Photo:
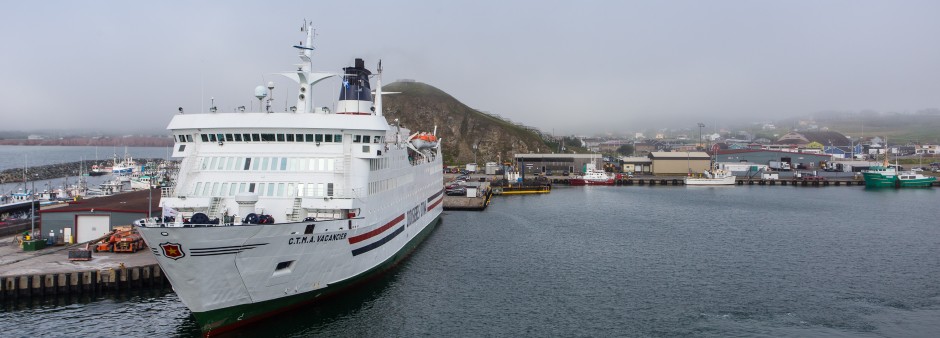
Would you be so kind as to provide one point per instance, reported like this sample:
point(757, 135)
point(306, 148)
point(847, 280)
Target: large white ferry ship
point(273, 210)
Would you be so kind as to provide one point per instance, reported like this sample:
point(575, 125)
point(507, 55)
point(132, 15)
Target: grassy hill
point(420, 107)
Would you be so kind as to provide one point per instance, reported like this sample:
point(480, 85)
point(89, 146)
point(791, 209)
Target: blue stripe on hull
point(378, 243)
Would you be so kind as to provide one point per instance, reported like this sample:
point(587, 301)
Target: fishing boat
point(883, 176)
point(96, 171)
point(886, 176)
point(712, 177)
point(274, 210)
point(593, 176)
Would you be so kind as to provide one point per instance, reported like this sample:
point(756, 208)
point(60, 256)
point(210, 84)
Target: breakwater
point(51, 171)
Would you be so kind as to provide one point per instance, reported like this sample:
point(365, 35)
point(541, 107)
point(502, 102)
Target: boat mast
point(304, 75)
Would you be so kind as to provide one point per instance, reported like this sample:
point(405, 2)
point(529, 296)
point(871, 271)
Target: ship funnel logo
point(172, 250)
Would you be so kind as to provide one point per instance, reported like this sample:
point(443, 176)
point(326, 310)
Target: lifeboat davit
point(424, 141)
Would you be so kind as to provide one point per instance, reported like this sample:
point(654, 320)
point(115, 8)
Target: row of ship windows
point(214, 189)
point(388, 184)
point(268, 164)
point(382, 163)
point(250, 137)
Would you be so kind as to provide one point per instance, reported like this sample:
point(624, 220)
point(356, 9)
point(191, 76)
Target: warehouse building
point(679, 163)
point(557, 163)
point(795, 159)
point(88, 219)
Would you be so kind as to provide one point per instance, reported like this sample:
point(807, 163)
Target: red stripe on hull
point(373, 233)
point(435, 203)
point(583, 182)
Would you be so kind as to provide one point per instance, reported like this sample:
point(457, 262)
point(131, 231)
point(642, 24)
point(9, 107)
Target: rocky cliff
point(420, 107)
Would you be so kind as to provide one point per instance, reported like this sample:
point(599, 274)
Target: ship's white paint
point(235, 264)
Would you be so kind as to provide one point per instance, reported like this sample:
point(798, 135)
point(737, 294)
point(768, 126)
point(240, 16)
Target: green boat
point(880, 177)
point(886, 177)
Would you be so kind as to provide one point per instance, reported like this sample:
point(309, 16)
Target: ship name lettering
point(316, 238)
point(415, 213)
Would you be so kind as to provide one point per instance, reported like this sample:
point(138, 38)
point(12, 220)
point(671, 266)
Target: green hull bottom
point(920, 183)
point(216, 321)
point(880, 181)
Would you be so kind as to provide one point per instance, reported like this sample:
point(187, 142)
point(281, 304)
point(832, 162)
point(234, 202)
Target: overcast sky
point(567, 66)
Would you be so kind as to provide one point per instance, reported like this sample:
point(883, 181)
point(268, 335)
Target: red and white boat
point(593, 177)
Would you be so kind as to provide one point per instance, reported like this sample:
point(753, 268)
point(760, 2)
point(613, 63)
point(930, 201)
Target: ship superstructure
point(271, 210)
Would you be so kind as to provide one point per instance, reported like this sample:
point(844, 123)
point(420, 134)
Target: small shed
point(636, 165)
point(88, 219)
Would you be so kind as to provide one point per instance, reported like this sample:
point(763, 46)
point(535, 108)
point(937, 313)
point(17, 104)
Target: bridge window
point(238, 137)
point(290, 137)
point(280, 137)
point(205, 138)
point(267, 137)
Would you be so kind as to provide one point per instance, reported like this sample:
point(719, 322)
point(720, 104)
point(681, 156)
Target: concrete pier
point(49, 272)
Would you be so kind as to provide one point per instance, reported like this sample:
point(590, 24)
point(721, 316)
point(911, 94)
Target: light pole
point(475, 146)
point(32, 208)
point(700, 126)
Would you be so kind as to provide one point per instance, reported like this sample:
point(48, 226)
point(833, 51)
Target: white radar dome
point(261, 92)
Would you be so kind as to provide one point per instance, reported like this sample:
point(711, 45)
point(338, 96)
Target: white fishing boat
point(712, 177)
point(273, 210)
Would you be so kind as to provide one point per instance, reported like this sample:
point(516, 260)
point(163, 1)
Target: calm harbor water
point(614, 261)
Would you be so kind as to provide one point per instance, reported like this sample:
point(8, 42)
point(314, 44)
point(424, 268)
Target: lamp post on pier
point(700, 126)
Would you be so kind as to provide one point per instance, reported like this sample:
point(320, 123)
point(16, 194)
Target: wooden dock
point(475, 203)
point(674, 181)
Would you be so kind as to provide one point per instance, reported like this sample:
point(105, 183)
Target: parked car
point(458, 191)
point(564, 173)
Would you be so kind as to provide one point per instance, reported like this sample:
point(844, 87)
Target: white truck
point(779, 165)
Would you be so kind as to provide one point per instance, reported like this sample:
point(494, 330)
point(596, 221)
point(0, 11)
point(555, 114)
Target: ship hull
point(710, 181)
point(877, 180)
point(227, 319)
point(917, 183)
point(580, 182)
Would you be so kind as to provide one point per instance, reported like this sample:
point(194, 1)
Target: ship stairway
point(214, 205)
point(295, 212)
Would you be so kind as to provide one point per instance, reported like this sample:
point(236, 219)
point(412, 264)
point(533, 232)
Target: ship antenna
point(378, 90)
